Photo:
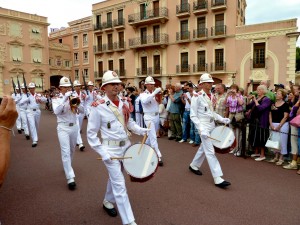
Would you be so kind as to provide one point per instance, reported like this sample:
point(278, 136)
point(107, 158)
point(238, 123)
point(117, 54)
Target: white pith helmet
point(90, 83)
point(206, 78)
point(76, 83)
point(31, 85)
point(64, 82)
point(22, 86)
point(149, 80)
point(110, 77)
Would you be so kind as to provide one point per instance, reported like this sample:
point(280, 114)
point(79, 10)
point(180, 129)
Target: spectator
point(219, 100)
point(8, 116)
point(259, 109)
point(278, 123)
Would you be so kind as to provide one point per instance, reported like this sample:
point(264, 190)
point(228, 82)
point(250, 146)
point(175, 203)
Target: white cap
point(206, 78)
point(110, 77)
point(149, 80)
point(22, 85)
point(76, 83)
point(31, 85)
point(90, 83)
point(64, 82)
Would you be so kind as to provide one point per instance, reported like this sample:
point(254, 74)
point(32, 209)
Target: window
point(156, 8)
point(85, 39)
point(259, 55)
point(76, 74)
point(58, 61)
point(156, 60)
point(120, 17)
point(201, 31)
point(121, 40)
point(60, 40)
point(36, 55)
point(110, 64)
point(184, 62)
point(156, 36)
point(143, 11)
point(184, 32)
point(122, 67)
point(109, 19)
point(67, 63)
point(85, 57)
point(110, 42)
point(50, 61)
point(219, 58)
point(100, 69)
point(75, 42)
point(144, 35)
point(98, 21)
point(99, 41)
point(201, 61)
point(76, 60)
point(15, 30)
point(16, 53)
point(86, 73)
point(220, 28)
point(184, 6)
point(144, 65)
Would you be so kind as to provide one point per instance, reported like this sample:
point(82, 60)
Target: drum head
point(144, 161)
point(222, 137)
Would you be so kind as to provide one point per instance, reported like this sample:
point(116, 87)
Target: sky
point(60, 12)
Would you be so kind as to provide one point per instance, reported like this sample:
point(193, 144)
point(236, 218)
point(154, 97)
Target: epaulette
point(101, 101)
point(196, 95)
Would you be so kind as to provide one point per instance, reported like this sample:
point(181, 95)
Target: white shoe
point(191, 142)
point(260, 159)
point(181, 141)
point(255, 155)
point(81, 147)
point(232, 151)
point(132, 223)
point(107, 204)
point(70, 180)
point(238, 153)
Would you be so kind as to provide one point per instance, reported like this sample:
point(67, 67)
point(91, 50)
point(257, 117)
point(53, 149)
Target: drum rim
point(223, 127)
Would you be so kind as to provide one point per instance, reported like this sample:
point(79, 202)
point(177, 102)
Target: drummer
point(203, 116)
point(111, 116)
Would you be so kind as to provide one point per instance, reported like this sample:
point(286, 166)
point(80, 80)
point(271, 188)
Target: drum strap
point(119, 116)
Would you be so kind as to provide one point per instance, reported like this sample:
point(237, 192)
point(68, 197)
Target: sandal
point(280, 162)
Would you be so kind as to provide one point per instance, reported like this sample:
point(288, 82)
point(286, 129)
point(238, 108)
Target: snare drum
point(223, 139)
point(143, 164)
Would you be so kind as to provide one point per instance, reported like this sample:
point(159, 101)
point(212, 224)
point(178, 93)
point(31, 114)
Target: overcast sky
point(60, 12)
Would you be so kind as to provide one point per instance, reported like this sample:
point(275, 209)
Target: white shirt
point(149, 103)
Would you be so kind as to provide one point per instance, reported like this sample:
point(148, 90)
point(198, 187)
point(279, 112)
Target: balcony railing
point(97, 27)
point(153, 14)
point(119, 22)
point(157, 70)
point(218, 30)
point(183, 8)
point(202, 67)
point(107, 25)
point(98, 75)
point(110, 46)
point(199, 5)
point(120, 45)
point(218, 66)
point(183, 36)
point(159, 39)
point(121, 73)
point(144, 71)
point(200, 33)
point(184, 68)
point(98, 49)
point(218, 3)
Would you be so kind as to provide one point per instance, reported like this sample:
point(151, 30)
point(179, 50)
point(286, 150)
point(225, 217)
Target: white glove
point(106, 158)
point(225, 120)
point(204, 134)
point(145, 131)
point(68, 94)
point(157, 90)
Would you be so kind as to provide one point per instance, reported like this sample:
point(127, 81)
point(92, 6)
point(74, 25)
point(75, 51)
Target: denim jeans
point(194, 135)
point(186, 124)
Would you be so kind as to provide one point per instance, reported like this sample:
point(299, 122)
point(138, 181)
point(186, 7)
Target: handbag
point(273, 141)
point(296, 121)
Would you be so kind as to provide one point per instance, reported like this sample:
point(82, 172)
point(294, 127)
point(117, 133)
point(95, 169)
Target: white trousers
point(18, 121)
point(33, 118)
point(116, 191)
point(207, 149)
point(153, 122)
point(79, 117)
point(139, 119)
point(67, 139)
point(24, 121)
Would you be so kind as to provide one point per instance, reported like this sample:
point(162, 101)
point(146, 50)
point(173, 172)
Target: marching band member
point(91, 97)
point(17, 97)
point(23, 104)
point(80, 115)
point(111, 116)
point(150, 103)
point(67, 127)
point(203, 116)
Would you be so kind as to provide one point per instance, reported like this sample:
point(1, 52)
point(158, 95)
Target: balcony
point(203, 67)
point(200, 34)
point(107, 26)
point(220, 66)
point(200, 7)
point(98, 27)
point(218, 5)
point(184, 68)
point(98, 49)
point(144, 71)
point(183, 10)
point(121, 73)
point(149, 41)
point(159, 15)
point(183, 36)
point(157, 71)
point(119, 23)
point(120, 46)
point(98, 75)
point(218, 31)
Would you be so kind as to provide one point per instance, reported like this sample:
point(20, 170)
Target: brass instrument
point(74, 103)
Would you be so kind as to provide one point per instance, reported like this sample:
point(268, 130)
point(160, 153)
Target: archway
point(54, 80)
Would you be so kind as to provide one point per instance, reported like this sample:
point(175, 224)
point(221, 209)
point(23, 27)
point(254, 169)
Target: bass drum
point(223, 139)
point(143, 163)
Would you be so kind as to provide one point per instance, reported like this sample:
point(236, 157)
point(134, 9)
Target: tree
point(298, 59)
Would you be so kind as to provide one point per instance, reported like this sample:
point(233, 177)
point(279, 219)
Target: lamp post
point(233, 78)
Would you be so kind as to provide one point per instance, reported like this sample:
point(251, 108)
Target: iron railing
point(182, 35)
point(218, 3)
point(149, 40)
point(218, 66)
point(119, 22)
point(184, 68)
point(199, 5)
point(183, 8)
point(148, 14)
point(200, 33)
point(218, 30)
point(202, 67)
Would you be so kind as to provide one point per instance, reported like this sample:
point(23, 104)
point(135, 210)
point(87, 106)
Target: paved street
point(35, 190)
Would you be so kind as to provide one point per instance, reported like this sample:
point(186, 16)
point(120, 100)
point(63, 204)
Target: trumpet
point(74, 103)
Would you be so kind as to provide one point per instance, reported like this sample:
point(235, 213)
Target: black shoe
point(160, 163)
point(34, 145)
point(197, 172)
point(20, 131)
point(72, 186)
point(111, 212)
point(27, 137)
point(178, 139)
point(224, 184)
point(172, 138)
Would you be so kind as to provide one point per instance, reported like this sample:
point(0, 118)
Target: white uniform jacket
point(102, 118)
point(202, 113)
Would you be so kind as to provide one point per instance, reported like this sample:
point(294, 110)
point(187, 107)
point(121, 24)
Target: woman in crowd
point(278, 119)
point(234, 103)
point(258, 113)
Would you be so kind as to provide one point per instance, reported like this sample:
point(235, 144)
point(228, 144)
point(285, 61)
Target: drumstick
point(223, 128)
point(117, 158)
point(144, 140)
point(214, 139)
